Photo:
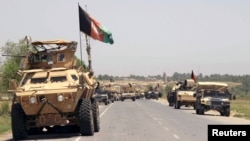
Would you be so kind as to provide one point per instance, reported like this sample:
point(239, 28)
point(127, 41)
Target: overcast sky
point(150, 36)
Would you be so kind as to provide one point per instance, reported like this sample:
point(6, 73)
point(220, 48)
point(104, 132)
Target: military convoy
point(53, 92)
point(213, 96)
point(202, 96)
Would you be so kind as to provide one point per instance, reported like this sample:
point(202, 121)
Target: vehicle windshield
point(217, 94)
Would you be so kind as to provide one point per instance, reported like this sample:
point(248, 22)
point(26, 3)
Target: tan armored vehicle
point(53, 92)
point(101, 95)
point(185, 94)
point(128, 92)
point(213, 96)
point(171, 96)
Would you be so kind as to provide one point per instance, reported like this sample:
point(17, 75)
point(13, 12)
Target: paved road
point(146, 120)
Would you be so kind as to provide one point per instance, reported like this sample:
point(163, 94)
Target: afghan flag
point(93, 28)
point(193, 76)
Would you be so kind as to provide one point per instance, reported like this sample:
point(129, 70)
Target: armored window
point(36, 58)
point(60, 57)
point(58, 79)
point(44, 58)
point(74, 77)
point(38, 80)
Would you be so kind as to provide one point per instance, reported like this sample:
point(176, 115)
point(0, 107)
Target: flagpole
point(88, 48)
point(80, 40)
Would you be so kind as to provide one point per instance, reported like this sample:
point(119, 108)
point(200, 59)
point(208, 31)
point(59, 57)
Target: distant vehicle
point(185, 94)
point(128, 92)
point(213, 96)
point(101, 96)
point(153, 93)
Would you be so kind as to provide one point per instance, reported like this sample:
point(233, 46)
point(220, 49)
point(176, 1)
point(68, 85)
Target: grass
point(241, 108)
point(5, 120)
point(5, 123)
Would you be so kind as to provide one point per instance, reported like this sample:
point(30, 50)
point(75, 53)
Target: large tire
point(86, 121)
point(177, 104)
point(197, 111)
point(95, 109)
point(19, 132)
point(201, 110)
point(133, 99)
point(227, 111)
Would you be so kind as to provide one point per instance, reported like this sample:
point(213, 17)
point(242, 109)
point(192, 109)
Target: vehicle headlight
point(60, 98)
point(33, 100)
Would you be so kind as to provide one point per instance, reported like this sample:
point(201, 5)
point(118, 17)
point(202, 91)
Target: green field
point(241, 108)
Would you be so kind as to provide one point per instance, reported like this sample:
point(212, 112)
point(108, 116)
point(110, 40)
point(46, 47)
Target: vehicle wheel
point(227, 111)
point(35, 131)
point(106, 102)
point(95, 109)
point(170, 104)
point(177, 104)
point(133, 99)
point(197, 111)
point(201, 111)
point(19, 131)
point(86, 121)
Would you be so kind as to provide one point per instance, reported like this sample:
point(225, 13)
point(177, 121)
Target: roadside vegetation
point(5, 121)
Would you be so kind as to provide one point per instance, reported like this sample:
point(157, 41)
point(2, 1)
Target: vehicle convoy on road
point(128, 92)
point(213, 96)
point(185, 94)
point(53, 92)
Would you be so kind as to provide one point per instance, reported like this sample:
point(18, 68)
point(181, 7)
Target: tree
point(13, 52)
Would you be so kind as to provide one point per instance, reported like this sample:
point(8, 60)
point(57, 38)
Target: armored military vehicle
point(153, 92)
point(53, 92)
point(213, 96)
point(184, 94)
point(101, 95)
point(128, 92)
point(171, 96)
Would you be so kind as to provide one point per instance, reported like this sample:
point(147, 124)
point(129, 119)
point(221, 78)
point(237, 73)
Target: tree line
point(9, 68)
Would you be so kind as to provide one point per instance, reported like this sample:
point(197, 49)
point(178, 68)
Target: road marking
point(165, 128)
point(159, 123)
point(176, 136)
point(105, 110)
point(78, 138)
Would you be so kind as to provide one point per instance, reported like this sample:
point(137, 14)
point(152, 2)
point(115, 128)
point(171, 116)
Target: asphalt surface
point(147, 120)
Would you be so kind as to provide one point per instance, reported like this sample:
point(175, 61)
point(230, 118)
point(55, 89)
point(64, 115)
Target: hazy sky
point(150, 36)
